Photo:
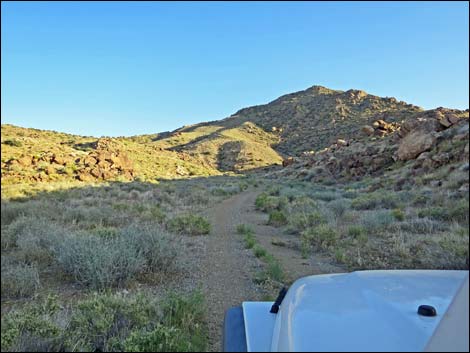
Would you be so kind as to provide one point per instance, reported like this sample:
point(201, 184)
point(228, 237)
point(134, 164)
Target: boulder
point(180, 170)
point(287, 162)
point(50, 170)
point(25, 161)
point(368, 130)
point(89, 161)
point(414, 144)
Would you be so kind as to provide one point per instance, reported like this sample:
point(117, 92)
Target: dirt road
point(228, 268)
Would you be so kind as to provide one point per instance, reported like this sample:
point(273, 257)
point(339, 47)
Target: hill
point(299, 125)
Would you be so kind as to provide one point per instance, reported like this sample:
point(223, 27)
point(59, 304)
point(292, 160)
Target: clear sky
point(126, 68)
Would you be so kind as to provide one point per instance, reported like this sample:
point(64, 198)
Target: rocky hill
point(338, 134)
point(429, 147)
point(316, 117)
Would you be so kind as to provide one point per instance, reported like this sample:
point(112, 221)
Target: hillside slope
point(297, 124)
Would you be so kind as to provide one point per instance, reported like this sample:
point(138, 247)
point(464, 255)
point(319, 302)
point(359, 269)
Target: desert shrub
point(377, 221)
point(36, 248)
point(10, 211)
point(277, 218)
point(200, 197)
point(21, 280)
point(259, 251)
point(420, 200)
point(274, 269)
point(340, 256)
point(105, 232)
point(302, 204)
point(339, 207)
point(139, 323)
point(155, 214)
point(13, 143)
point(375, 200)
point(457, 247)
point(32, 328)
point(219, 192)
point(154, 245)
point(350, 194)
point(101, 262)
point(325, 195)
point(267, 202)
point(273, 190)
point(322, 237)
point(87, 217)
point(300, 221)
point(249, 240)
point(244, 229)
point(457, 212)
point(30, 229)
point(189, 224)
point(398, 214)
point(422, 226)
point(356, 231)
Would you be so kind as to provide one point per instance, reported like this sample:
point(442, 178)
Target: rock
point(287, 162)
point(445, 122)
point(96, 172)
point(180, 170)
point(25, 161)
point(368, 130)
point(441, 158)
point(61, 160)
point(453, 119)
point(414, 144)
point(423, 156)
point(89, 161)
point(341, 142)
point(50, 170)
point(85, 176)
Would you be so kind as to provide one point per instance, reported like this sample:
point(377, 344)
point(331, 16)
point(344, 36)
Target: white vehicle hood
point(360, 311)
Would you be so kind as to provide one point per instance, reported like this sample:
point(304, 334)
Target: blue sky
point(126, 68)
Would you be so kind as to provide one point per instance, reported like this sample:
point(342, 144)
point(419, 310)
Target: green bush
point(32, 328)
point(322, 237)
point(398, 214)
point(249, 240)
point(244, 229)
point(457, 212)
point(265, 202)
point(274, 269)
point(259, 251)
point(375, 200)
point(355, 231)
point(300, 221)
point(189, 224)
point(139, 323)
point(277, 218)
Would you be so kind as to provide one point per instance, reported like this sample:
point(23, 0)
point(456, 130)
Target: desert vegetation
point(383, 228)
point(114, 253)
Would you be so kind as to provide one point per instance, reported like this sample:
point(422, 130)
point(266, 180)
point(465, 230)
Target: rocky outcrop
point(414, 144)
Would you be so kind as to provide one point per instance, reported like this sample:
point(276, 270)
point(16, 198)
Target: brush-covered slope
point(32, 155)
